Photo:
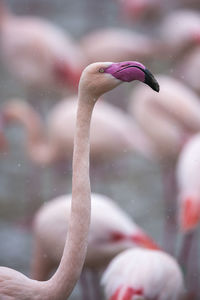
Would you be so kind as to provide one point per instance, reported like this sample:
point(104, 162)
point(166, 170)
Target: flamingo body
point(187, 70)
point(181, 28)
point(143, 274)
point(119, 44)
point(111, 231)
point(188, 168)
point(39, 54)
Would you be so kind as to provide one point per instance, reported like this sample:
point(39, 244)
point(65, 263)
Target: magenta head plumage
point(132, 70)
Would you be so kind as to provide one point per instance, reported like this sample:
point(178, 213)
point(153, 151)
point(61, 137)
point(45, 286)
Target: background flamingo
point(187, 69)
point(119, 44)
point(143, 274)
point(188, 181)
point(111, 231)
point(112, 132)
point(169, 120)
point(38, 53)
point(180, 31)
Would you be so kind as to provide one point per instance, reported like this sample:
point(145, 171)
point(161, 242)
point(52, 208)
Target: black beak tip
point(156, 87)
point(151, 81)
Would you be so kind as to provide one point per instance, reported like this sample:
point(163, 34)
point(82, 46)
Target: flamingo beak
point(190, 214)
point(145, 241)
point(128, 71)
point(151, 81)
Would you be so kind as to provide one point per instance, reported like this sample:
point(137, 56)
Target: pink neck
point(38, 147)
point(62, 283)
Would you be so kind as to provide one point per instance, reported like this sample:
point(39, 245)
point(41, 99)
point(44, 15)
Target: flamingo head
point(66, 74)
point(143, 240)
point(127, 293)
point(139, 238)
point(189, 213)
point(14, 110)
point(99, 78)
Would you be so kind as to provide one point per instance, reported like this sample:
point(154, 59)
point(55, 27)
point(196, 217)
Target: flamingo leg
point(188, 259)
point(185, 250)
point(170, 229)
point(85, 290)
point(97, 292)
point(192, 275)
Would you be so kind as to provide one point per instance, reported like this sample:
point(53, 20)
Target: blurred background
point(132, 180)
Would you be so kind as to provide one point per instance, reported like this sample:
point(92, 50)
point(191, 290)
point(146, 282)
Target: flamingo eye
point(101, 70)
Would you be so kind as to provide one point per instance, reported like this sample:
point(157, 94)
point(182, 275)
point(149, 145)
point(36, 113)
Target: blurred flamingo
point(119, 44)
point(154, 10)
point(113, 132)
point(169, 120)
point(187, 69)
point(38, 53)
point(111, 231)
point(188, 168)
point(143, 274)
point(96, 80)
point(188, 180)
point(136, 10)
point(180, 30)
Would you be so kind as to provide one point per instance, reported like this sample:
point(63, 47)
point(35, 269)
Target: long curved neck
point(63, 281)
point(37, 144)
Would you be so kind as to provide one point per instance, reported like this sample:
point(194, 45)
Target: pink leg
point(192, 275)
point(170, 231)
point(85, 288)
point(185, 250)
point(188, 259)
point(97, 292)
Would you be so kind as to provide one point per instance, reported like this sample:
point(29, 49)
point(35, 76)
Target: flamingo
point(137, 10)
point(112, 132)
point(169, 120)
point(180, 30)
point(96, 79)
point(175, 111)
point(143, 274)
point(38, 53)
point(111, 231)
point(188, 181)
point(141, 9)
point(187, 174)
point(119, 44)
point(187, 69)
